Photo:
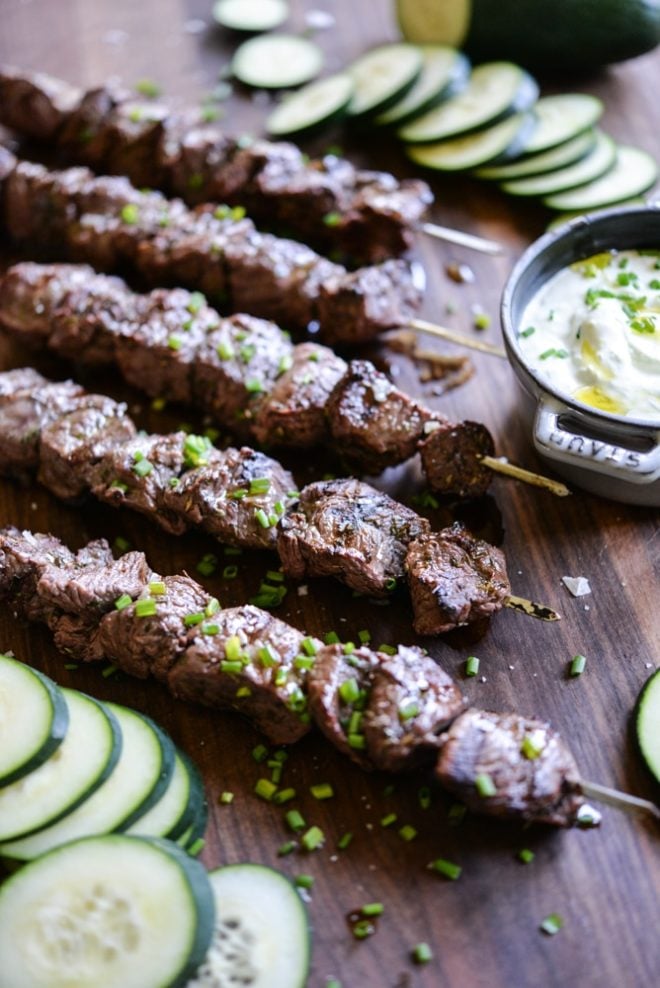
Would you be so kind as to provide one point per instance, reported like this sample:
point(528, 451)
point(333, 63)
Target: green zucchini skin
point(560, 34)
point(647, 721)
point(56, 734)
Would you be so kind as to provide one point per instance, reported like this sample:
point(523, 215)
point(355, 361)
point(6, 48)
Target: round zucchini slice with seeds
point(312, 107)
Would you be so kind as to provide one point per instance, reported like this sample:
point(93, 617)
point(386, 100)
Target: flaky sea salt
point(577, 585)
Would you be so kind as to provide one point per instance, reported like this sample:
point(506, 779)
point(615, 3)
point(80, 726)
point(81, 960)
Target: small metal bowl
point(610, 455)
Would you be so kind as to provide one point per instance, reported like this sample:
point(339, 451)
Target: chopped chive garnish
point(232, 550)
point(130, 213)
point(552, 924)
point(304, 881)
point(195, 848)
point(357, 742)
point(260, 485)
point(226, 798)
point(262, 518)
point(275, 576)
point(174, 342)
point(233, 649)
point(408, 712)
point(295, 821)
point(309, 646)
point(364, 636)
point(254, 386)
point(157, 588)
point(481, 320)
point(344, 841)
point(485, 785)
point(196, 450)
point(349, 691)
point(578, 665)
point(260, 753)
point(109, 671)
point(363, 929)
point(266, 657)
point(553, 352)
point(284, 796)
point(303, 662)
point(332, 219)
point(322, 791)
point(424, 797)
point(373, 909)
point(242, 692)
point(349, 648)
point(210, 629)
point(232, 668)
point(190, 620)
point(70, 666)
point(117, 485)
point(265, 789)
point(287, 848)
point(312, 839)
point(145, 608)
point(526, 856)
point(121, 544)
point(197, 301)
point(529, 331)
point(285, 364)
point(224, 350)
point(388, 820)
point(148, 88)
point(421, 953)
point(212, 607)
point(472, 666)
point(407, 832)
point(355, 723)
point(331, 638)
point(446, 868)
point(456, 814)
point(276, 774)
point(391, 583)
point(142, 468)
point(530, 748)
point(230, 572)
point(387, 649)
point(123, 601)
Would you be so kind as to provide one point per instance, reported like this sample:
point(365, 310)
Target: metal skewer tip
point(531, 608)
point(462, 239)
point(422, 326)
point(527, 476)
point(620, 800)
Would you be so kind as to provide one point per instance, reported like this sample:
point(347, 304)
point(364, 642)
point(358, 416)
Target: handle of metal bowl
point(554, 438)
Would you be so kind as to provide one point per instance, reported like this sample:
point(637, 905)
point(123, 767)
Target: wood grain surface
point(484, 928)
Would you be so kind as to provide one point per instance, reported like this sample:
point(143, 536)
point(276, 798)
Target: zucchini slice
point(178, 807)
point(634, 173)
point(383, 76)
point(33, 719)
point(561, 118)
point(599, 161)
point(136, 783)
point(312, 107)
point(547, 161)
point(444, 73)
point(496, 90)
point(563, 218)
point(255, 16)
point(103, 912)
point(80, 765)
point(262, 935)
point(647, 724)
point(277, 61)
point(498, 143)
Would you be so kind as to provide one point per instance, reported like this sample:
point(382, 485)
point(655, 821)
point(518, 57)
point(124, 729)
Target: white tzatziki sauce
point(593, 332)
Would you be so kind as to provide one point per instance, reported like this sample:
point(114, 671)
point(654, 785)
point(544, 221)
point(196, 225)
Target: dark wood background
point(484, 928)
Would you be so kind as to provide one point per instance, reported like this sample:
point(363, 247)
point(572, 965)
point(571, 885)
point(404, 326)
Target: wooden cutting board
point(484, 927)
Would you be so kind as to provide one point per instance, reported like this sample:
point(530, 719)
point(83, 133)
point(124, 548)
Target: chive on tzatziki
point(593, 332)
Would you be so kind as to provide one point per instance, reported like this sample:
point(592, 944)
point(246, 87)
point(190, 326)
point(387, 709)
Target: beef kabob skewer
point(393, 712)
point(245, 373)
point(77, 443)
point(367, 215)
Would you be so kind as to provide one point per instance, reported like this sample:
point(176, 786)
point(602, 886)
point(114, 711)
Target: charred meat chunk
point(238, 496)
point(23, 558)
point(411, 701)
point(35, 104)
point(454, 578)
point(145, 639)
point(510, 766)
point(373, 423)
point(94, 581)
point(236, 365)
point(247, 664)
point(137, 473)
point(28, 405)
point(348, 529)
point(451, 459)
point(31, 293)
point(294, 411)
point(74, 443)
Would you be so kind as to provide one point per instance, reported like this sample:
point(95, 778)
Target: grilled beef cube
point(159, 353)
point(277, 279)
point(31, 293)
point(40, 205)
point(73, 444)
point(238, 497)
point(94, 582)
point(534, 775)
point(25, 413)
point(373, 423)
point(294, 411)
point(454, 578)
point(23, 558)
point(356, 306)
point(338, 686)
point(84, 136)
point(247, 665)
point(34, 104)
point(92, 318)
point(383, 213)
point(196, 158)
point(410, 702)
point(145, 645)
point(236, 364)
point(137, 473)
point(134, 132)
point(451, 459)
point(347, 529)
